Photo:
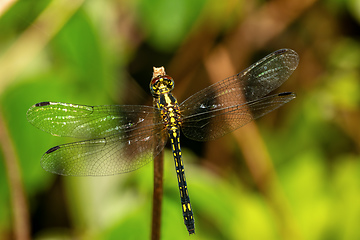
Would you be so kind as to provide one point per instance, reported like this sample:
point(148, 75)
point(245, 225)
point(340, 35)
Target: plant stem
point(157, 195)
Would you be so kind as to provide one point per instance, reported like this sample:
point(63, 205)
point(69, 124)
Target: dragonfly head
point(161, 84)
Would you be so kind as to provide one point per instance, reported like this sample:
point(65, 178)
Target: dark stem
point(157, 196)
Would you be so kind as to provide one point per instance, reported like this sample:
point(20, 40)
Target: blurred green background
point(293, 174)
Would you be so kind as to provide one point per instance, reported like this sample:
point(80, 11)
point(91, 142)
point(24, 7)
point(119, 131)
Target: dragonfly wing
point(118, 153)
point(231, 95)
point(253, 83)
point(213, 124)
point(80, 121)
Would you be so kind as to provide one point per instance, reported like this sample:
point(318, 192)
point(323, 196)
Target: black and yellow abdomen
point(184, 195)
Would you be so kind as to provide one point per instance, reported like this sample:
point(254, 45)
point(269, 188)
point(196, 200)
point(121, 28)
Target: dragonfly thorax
point(161, 84)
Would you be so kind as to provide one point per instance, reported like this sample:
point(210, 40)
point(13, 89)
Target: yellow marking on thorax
point(167, 98)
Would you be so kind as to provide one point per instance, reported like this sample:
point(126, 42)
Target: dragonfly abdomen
point(189, 221)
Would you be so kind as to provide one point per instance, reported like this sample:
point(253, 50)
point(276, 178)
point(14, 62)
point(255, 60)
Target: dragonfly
point(122, 138)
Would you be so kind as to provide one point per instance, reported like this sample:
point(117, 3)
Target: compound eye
point(154, 85)
point(165, 82)
point(154, 81)
point(169, 82)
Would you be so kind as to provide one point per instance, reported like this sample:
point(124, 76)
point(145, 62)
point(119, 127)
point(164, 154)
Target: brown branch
point(157, 196)
point(21, 223)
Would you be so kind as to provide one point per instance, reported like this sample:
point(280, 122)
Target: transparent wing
point(115, 154)
point(205, 113)
point(124, 137)
point(80, 121)
point(213, 124)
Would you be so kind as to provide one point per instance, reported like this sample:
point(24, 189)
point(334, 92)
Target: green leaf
point(167, 23)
